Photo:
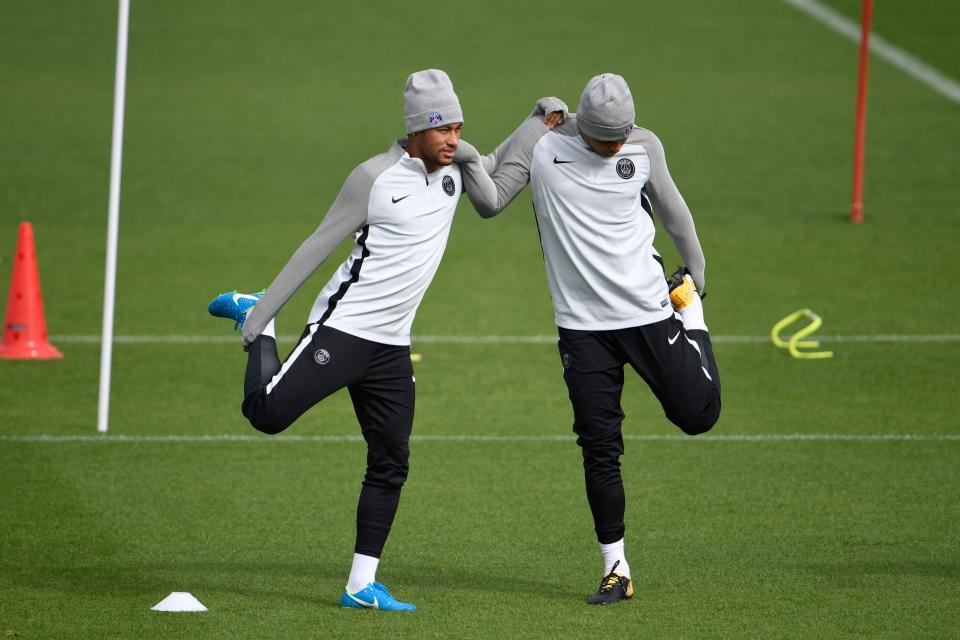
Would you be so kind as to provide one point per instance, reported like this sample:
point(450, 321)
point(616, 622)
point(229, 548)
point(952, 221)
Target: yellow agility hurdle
point(796, 341)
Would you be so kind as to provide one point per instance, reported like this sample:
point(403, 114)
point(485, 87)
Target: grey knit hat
point(429, 101)
point(606, 108)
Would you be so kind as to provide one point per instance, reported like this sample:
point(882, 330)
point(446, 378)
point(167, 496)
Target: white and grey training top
point(400, 217)
point(594, 215)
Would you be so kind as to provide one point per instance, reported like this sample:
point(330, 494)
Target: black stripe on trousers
point(354, 275)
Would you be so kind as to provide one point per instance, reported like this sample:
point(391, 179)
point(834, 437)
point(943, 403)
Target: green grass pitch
point(243, 120)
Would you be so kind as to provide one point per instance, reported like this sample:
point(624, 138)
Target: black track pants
point(381, 384)
point(678, 366)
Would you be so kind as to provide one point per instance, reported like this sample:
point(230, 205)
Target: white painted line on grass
point(758, 437)
point(531, 339)
point(909, 64)
point(156, 339)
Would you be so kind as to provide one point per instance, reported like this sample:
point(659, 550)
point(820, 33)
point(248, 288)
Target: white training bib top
point(400, 218)
point(376, 292)
point(597, 238)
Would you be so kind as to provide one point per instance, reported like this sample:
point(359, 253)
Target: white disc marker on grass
point(179, 601)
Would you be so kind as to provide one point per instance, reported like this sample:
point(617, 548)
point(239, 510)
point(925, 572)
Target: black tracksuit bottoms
point(380, 380)
point(678, 366)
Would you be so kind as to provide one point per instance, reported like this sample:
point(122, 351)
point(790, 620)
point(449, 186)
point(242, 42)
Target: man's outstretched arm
point(493, 181)
point(346, 215)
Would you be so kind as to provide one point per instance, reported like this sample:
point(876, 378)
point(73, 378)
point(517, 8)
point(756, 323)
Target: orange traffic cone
point(25, 329)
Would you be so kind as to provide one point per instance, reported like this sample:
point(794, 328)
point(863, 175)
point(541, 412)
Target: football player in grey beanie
point(606, 111)
point(597, 180)
point(432, 118)
point(398, 206)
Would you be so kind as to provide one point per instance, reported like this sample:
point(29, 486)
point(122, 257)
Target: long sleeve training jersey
point(594, 215)
point(400, 217)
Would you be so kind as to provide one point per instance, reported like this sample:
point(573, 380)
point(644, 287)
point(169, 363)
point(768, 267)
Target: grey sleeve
point(493, 181)
point(670, 208)
point(347, 214)
point(549, 105)
point(543, 107)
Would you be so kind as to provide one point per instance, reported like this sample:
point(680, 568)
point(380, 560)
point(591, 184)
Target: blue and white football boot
point(373, 596)
point(234, 306)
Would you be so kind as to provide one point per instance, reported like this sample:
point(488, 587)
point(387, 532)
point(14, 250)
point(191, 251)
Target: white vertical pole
point(113, 218)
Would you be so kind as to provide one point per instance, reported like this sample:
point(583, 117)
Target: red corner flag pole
point(856, 211)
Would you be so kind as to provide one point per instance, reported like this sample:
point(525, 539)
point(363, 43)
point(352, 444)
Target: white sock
point(692, 315)
point(613, 553)
point(362, 573)
point(270, 330)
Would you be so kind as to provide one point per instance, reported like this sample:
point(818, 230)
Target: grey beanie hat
point(429, 101)
point(606, 108)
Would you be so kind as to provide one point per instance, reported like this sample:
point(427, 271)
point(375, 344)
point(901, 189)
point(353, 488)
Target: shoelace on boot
point(611, 580)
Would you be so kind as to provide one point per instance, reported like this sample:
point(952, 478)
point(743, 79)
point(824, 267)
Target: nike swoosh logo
point(396, 200)
point(673, 339)
point(558, 161)
point(371, 605)
point(237, 297)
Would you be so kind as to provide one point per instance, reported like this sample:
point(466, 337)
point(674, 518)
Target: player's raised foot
point(613, 588)
point(234, 306)
point(373, 596)
point(682, 289)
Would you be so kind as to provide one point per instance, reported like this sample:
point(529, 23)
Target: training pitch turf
point(824, 504)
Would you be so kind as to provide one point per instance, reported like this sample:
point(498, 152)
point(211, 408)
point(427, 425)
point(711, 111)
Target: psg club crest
point(435, 118)
point(449, 187)
point(322, 357)
point(625, 168)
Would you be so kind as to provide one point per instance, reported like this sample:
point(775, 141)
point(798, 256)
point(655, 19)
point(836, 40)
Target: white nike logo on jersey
point(237, 297)
point(673, 339)
point(371, 605)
